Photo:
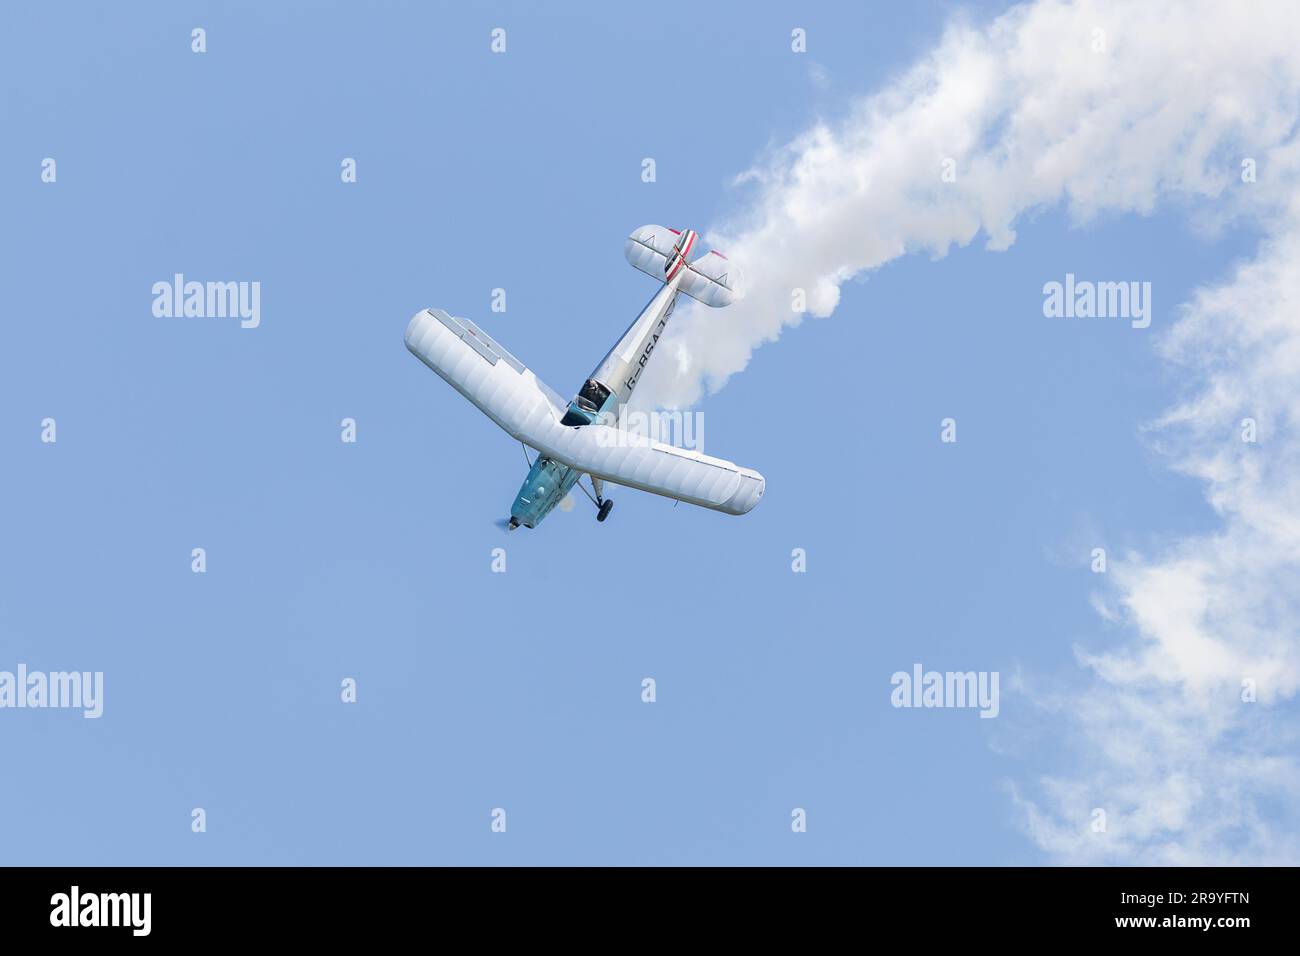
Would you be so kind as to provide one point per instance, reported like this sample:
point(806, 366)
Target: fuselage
point(601, 398)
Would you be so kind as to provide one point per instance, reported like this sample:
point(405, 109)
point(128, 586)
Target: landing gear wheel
point(605, 508)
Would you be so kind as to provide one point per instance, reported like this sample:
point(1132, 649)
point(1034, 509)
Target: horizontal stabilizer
point(711, 279)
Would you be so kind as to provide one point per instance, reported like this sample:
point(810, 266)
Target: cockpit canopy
point(593, 394)
point(587, 405)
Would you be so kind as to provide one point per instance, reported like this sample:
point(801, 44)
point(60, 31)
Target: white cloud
point(1034, 115)
point(1212, 611)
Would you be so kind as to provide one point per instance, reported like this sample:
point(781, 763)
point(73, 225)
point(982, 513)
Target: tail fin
point(710, 279)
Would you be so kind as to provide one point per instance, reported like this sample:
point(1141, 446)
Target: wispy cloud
point(1105, 107)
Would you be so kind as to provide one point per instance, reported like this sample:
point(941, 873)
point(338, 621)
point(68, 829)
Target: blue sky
point(372, 560)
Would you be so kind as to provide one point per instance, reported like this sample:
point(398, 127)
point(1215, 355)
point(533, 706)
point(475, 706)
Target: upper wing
point(637, 462)
point(513, 397)
point(711, 279)
point(467, 358)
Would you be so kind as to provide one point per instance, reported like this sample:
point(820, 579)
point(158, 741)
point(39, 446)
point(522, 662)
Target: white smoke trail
point(1106, 107)
point(1032, 114)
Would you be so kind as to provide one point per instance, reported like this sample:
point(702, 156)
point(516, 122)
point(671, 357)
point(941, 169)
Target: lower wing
point(513, 397)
